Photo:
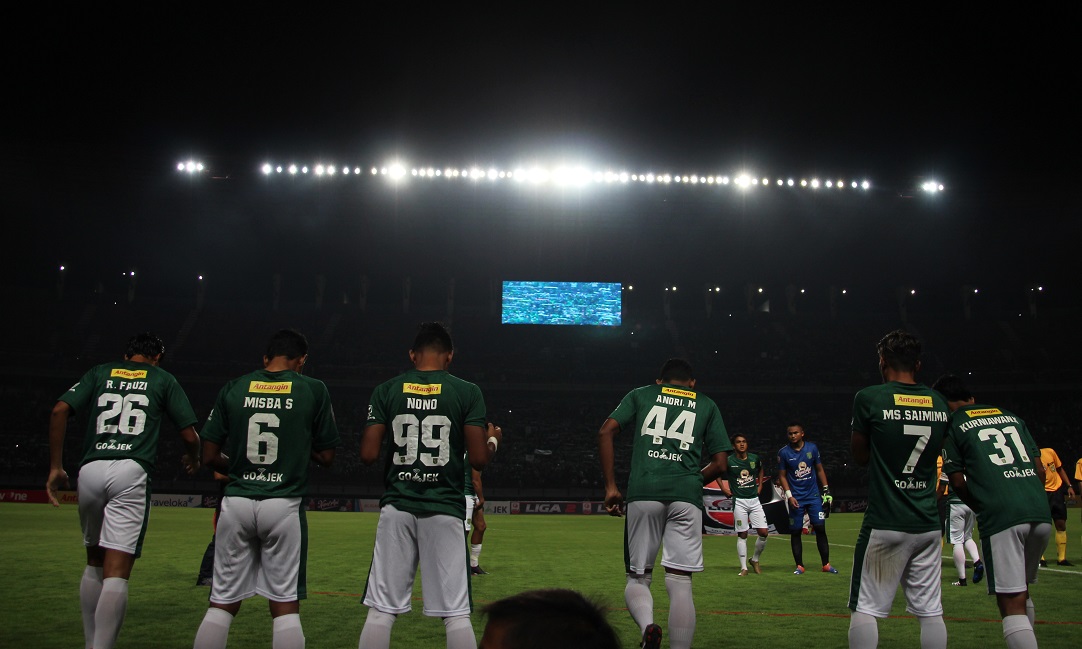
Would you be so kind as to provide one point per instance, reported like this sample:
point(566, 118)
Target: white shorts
point(437, 545)
point(114, 505)
point(1012, 556)
point(471, 503)
point(884, 559)
point(748, 514)
point(960, 520)
point(676, 526)
point(260, 548)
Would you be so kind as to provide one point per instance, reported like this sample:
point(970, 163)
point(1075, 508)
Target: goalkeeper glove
point(828, 500)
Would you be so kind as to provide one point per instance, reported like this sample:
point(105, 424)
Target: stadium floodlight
point(724, 180)
point(912, 291)
point(191, 166)
point(345, 171)
point(815, 183)
point(931, 186)
point(278, 169)
point(865, 185)
point(331, 170)
point(802, 291)
point(780, 182)
point(357, 171)
point(853, 184)
point(742, 180)
point(320, 169)
point(267, 168)
point(760, 289)
point(790, 182)
point(765, 182)
point(304, 169)
point(396, 171)
point(374, 171)
point(61, 267)
point(803, 182)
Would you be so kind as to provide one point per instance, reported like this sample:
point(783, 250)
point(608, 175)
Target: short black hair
point(676, 369)
point(287, 342)
point(900, 350)
point(531, 618)
point(144, 344)
point(794, 423)
point(952, 387)
point(732, 438)
point(434, 336)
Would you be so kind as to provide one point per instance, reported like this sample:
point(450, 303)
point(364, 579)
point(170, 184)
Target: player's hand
point(793, 504)
point(492, 430)
point(614, 503)
point(57, 478)
point(191, 464)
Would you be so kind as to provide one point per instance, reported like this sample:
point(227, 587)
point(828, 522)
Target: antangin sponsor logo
point(687, 394)
point(267, 387)
point(419, 388)
point(983, 412)
point(120, 372)
point(913, 400)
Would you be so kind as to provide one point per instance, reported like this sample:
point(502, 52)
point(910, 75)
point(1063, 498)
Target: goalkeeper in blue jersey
point(800, 471)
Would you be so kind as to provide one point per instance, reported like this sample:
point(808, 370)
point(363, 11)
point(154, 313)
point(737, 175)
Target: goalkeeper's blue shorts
point(814, 509)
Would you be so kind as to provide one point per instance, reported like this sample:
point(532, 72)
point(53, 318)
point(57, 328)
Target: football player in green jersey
point(994, 466)
point(435, 419)
point(264, 431)
point(743, 483)
point(125, 401)
point(898, 428)
point(674, 428)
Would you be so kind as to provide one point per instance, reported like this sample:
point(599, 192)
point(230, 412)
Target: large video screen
point(562, 303)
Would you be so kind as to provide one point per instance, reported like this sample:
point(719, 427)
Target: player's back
point(426, 413)
point(672, 428)
point(905, 425)
point(125, 402)
point(997, 453)
point(268, 423)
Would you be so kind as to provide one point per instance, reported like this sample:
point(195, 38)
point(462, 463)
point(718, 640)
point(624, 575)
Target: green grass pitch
point(43, 561)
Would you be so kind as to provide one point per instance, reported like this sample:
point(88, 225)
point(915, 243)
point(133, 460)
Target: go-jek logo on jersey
point(911, 483)
point(417, 476)
point(420, 388)
point(913, 400)
point(983, 412)
point(122, 373)
point(687, 394)
point(112, 446)
point(266, 387)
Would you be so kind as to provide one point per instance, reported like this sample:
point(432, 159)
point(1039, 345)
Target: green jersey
point(672, 426)
point(743, 475)
point(998, 455)
point(125, 402)
point(905, 424)
point(426, 413)
point(268, 424)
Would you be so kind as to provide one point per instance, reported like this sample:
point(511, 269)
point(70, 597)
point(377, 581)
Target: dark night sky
point(105, 104)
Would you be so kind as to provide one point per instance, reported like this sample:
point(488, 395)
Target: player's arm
point(324, 457)
point(822, 475)
point(1063, 477)
point(214, 458)
point(371, 441)
point(718, 467)
point(860, 447)
point(58, 430)
point(760, 480)
point(191, 457)
point(961, 489)
point(481, 443)
point(614, 500)
point(784, 481)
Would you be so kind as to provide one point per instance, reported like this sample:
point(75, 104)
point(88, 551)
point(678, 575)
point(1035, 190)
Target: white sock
point(459, 632)
point(959, 560)
point(288, 633)
point(475, 555)
point(933, 633)
point(863, 631)
point(376, 633)
point(214, 630)
point(971, 550)
point(742, 552)
point(640, 603)
point(1018, 633)
point(681, 611)
point(109, 615)
point(1031, 613)
point(89, 591)
point(760, 545)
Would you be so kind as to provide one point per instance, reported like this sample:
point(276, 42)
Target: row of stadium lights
point(631, 287)
point(560, 176)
